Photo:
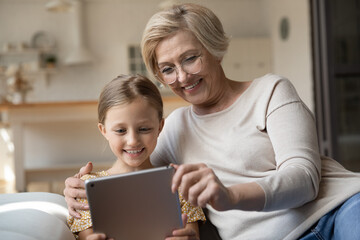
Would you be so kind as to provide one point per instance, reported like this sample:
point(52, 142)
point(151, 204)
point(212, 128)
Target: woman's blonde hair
point(125, 89)
point(199, 20)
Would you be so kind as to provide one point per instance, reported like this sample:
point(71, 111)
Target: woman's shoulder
point(271, 80)
point(272, 86)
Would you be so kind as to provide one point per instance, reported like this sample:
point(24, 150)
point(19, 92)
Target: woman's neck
point(231, 91)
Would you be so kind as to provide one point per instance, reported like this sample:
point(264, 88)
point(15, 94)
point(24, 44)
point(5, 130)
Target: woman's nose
point(182, 75)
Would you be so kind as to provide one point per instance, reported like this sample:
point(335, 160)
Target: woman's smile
point(192, 86)
point(203, 89)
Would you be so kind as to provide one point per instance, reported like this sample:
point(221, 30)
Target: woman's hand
point(189, 232)
point(75, 188)
point(199, 185)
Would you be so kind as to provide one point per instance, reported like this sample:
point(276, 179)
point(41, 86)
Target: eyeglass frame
point(182, 68)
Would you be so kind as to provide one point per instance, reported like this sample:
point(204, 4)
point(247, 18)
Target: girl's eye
point(120, 131)
point(144, 129)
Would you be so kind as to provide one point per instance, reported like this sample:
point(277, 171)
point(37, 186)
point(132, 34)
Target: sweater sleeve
point(292, 131)
point(170, 140)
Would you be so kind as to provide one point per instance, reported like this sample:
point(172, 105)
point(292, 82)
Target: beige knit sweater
point(268, 136)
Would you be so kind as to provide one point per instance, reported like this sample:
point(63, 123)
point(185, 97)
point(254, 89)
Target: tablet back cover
point(136, 205)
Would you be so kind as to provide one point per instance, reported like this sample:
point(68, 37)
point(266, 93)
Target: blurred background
point(56, 55)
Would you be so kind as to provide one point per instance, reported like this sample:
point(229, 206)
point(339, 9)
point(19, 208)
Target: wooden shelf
point(52, 139)
point(7, 106)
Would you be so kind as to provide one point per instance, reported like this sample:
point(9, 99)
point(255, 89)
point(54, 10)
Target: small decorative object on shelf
point(17, 86)
point(43, 41)
point(8, 47)
point(49, 60)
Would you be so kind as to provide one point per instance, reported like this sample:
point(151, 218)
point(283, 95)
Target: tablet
point(136, 205)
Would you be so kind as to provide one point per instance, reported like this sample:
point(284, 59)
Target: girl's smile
point(132, 130)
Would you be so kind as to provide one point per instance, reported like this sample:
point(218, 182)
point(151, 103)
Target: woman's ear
point(102, 129)
point(161, 126)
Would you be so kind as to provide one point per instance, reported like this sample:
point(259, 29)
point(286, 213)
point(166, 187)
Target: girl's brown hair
point(125, 89)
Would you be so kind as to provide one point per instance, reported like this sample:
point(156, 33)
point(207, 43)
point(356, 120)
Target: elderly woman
point(245, 151)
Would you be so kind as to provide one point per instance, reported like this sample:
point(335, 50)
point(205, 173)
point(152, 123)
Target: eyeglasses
point(190, 65)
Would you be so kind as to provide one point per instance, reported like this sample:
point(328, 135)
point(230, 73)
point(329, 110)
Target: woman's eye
point(167, 70)
point(190, 59)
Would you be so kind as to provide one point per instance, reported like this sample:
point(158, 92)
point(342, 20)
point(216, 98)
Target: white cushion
point(35, 215)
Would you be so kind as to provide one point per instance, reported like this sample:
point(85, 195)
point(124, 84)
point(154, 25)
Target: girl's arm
point(84, 234)
point(98, 236)
point(190, 232)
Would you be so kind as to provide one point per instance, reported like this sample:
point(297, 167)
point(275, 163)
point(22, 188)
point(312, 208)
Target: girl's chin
point(138, 164)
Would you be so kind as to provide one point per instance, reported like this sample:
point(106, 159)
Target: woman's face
point(132, 131)
point(201, 89)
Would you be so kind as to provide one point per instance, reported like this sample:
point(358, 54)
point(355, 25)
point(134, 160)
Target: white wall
point(6, 156)
point(109, 26)
point(292, 57)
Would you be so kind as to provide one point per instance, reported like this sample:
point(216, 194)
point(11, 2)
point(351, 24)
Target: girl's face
point(201, 89)
point(132, 131)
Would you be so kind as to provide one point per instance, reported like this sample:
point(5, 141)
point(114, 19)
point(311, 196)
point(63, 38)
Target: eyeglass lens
point(190, 65)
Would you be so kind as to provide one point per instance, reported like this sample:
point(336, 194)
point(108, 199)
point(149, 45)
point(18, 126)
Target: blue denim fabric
point(342, 223)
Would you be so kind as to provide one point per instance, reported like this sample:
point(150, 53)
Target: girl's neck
point(119, 167)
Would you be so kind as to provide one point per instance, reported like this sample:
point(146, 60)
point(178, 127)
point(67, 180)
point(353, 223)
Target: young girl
point(130, 114)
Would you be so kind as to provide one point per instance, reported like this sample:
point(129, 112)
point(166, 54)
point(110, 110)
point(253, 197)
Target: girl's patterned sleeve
point(80, 224)
point(193, 213)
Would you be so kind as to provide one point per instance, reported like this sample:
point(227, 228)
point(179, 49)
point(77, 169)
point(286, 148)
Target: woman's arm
point(75, 188)
point(296, 181)
point(292, 131)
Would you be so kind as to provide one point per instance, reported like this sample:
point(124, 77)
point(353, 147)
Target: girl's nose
point(132, 138)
